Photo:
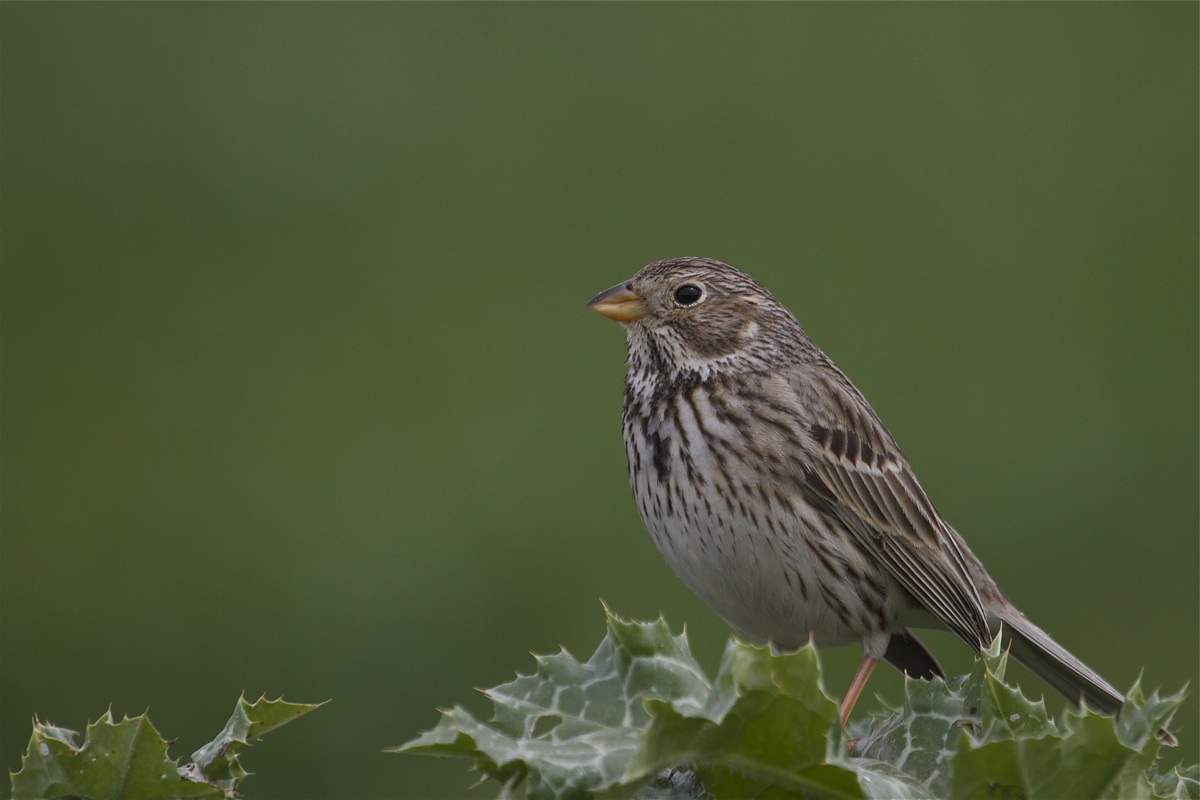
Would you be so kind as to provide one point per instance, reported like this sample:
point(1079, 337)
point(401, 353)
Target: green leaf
point(1092, 756)
point(116, 760)
point(765, 721)
point(639, 720)
point(923, 735)
point(1142, 717)
point(217, 762)
point(624, 721)
point(573, 727)
point(1181, 782)
point(119, 761)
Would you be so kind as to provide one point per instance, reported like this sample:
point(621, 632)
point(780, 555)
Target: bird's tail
point(1051, 662)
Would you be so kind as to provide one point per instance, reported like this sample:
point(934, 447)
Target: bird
point(772, 489)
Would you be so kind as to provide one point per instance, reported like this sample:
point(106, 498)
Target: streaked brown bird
point(772, 489)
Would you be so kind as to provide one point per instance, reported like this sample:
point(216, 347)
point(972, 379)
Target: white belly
point(748, 548)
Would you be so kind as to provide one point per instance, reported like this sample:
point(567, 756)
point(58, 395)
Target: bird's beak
point(620, 303)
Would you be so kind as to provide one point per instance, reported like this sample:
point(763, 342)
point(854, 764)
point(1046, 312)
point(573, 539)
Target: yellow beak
point(620, 303)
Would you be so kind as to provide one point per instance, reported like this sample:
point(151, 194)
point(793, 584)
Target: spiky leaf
point(573, 727)
point(116, 760)
point(217, 762)
point(1090, 756)
point(923, 735)
point(639, 720)
point(129, 759)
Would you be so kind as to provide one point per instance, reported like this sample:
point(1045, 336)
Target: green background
point(300, 395)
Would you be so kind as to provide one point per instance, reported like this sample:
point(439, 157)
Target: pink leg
point(856, 686)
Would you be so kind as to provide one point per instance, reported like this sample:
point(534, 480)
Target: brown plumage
point(772, 489)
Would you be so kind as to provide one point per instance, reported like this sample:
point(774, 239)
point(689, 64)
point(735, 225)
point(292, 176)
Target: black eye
point(688, 295)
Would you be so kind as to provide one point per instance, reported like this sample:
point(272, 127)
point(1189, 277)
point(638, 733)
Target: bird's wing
point(859, 472)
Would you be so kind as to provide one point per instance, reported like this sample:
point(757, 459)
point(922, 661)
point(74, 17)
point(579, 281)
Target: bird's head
point(699, 316)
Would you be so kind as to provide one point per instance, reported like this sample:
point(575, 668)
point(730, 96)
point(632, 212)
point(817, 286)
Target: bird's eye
point(688, 295)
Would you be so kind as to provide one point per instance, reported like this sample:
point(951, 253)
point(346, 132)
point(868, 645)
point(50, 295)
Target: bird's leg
point(856, 686)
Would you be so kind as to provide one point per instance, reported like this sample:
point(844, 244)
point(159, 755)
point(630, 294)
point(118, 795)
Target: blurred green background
point(300, 395)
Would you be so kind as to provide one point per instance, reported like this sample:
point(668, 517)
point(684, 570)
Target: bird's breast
point(737, 531)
